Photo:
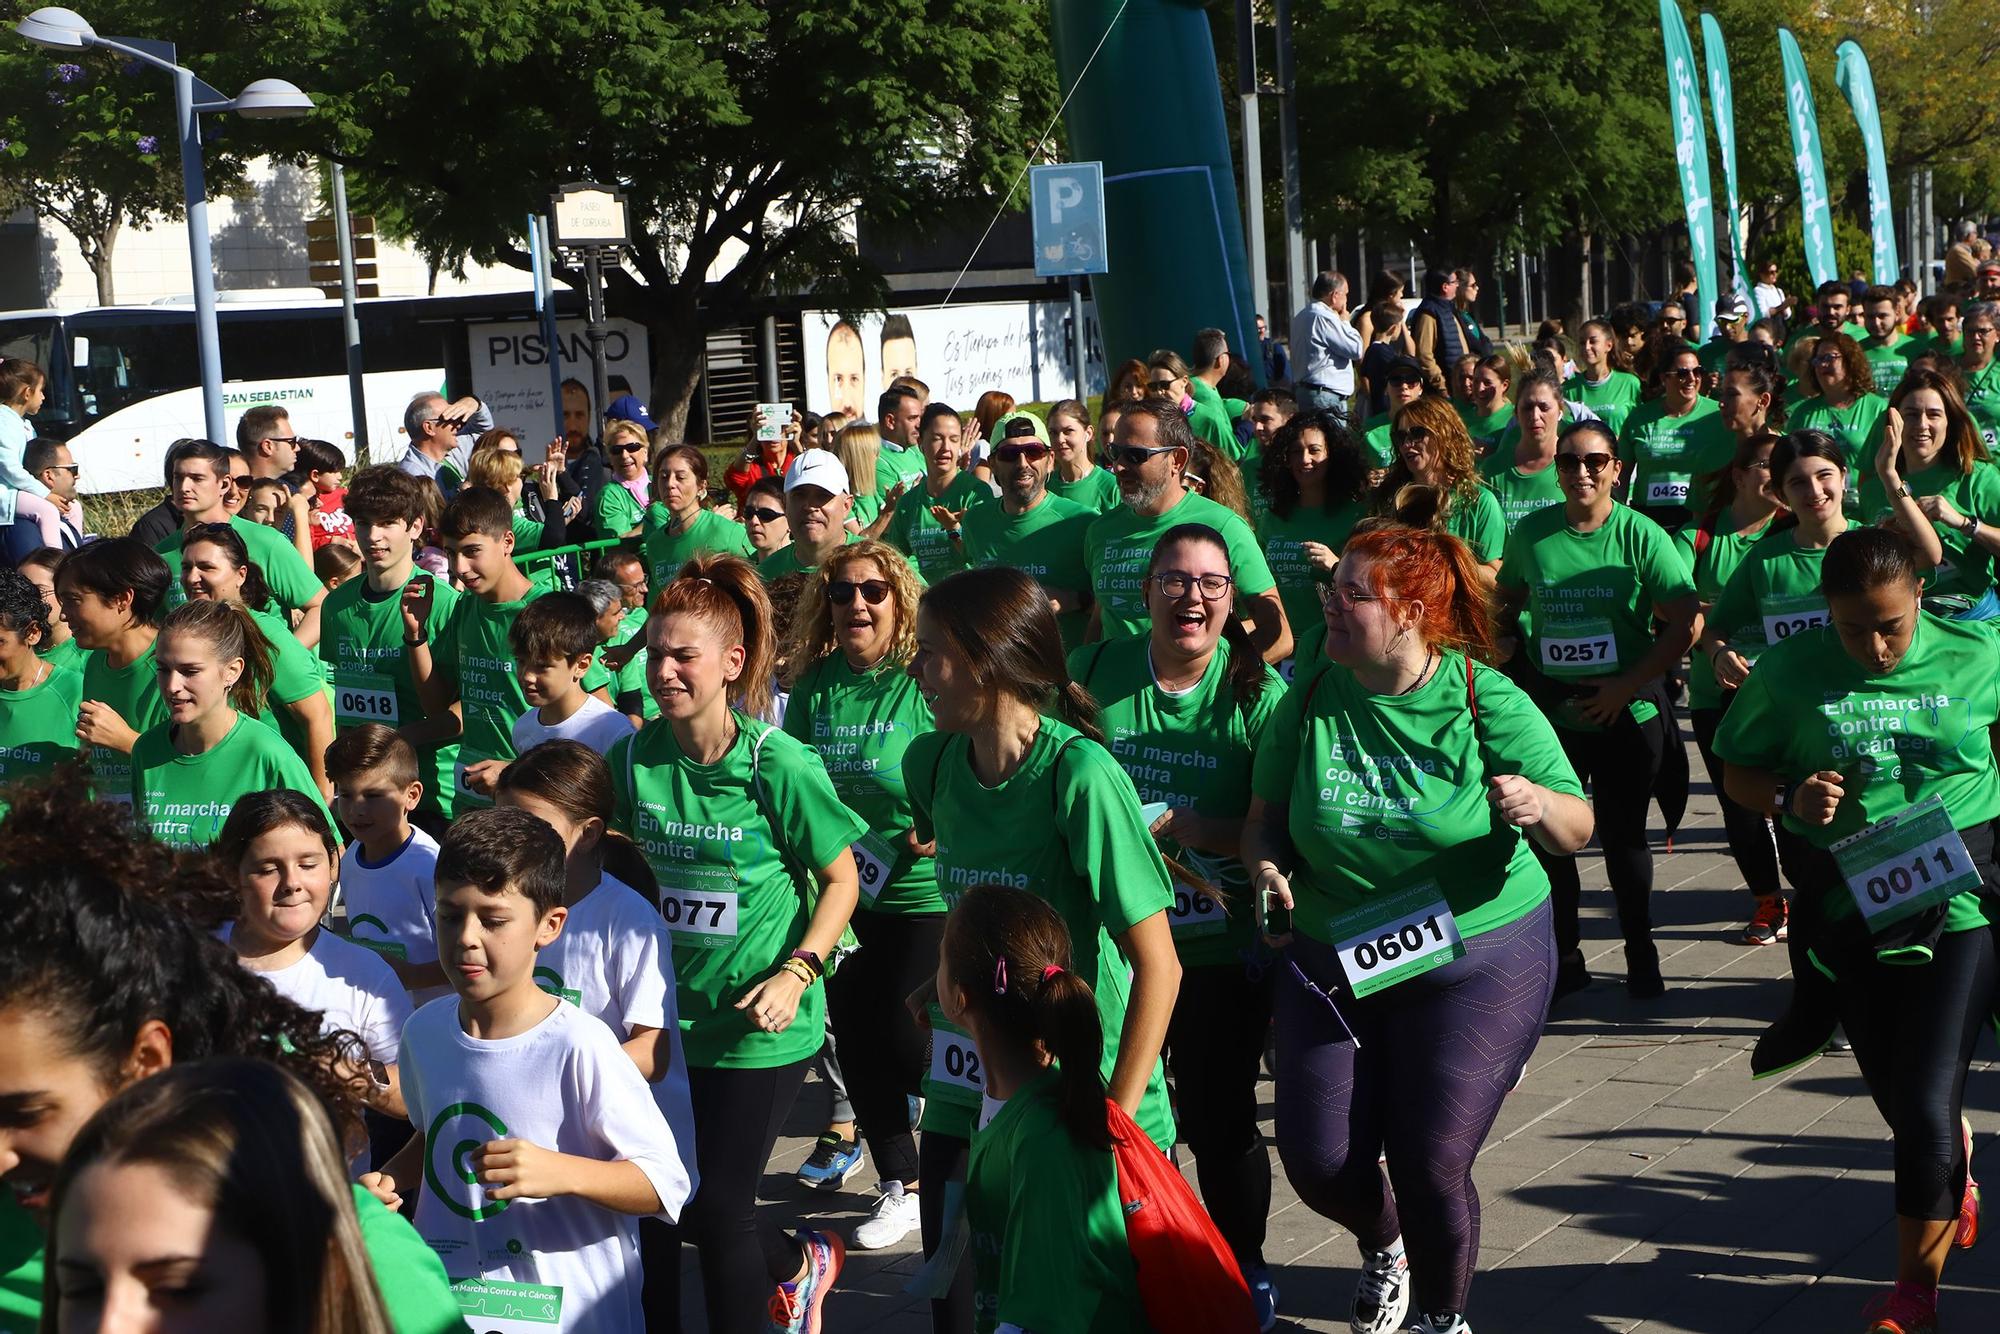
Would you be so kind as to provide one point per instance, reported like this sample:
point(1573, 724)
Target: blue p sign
point(1066, 201)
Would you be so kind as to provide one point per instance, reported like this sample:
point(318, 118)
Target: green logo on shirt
point(549, 980)
point(460, 1159)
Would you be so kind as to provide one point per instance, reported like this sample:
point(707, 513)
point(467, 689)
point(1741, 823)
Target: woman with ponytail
point(214, 671)
point(742, 828)
point(1185, 708)
point(1394, 798)
point(1041, 1195)
point(1016, 788)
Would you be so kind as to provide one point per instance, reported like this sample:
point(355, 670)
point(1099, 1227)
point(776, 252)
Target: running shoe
point(832, 1161)
point(1382, 1298)
point(893, 1218)
point(1904, 1309)
point(1642, 971)
point(796, 1307)
point(1771, 922)
point(1263, 1296)
point(1968, 1205)
point(1440, 1324)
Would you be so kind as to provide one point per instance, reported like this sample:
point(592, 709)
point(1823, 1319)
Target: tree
point(747, 137)
point(89, 138)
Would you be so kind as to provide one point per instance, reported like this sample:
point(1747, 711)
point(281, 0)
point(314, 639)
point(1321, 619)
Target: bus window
point(133, 361)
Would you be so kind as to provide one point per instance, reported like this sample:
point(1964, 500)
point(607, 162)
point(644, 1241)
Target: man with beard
point(1030, 529)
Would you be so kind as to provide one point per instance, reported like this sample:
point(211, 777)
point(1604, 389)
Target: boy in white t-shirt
point(387, 874)
point(554, 641)
point(541, 1143)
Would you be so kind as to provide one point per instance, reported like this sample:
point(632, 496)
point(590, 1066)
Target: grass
point(112, 514)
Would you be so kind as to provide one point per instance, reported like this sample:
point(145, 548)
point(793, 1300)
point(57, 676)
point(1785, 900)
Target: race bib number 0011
point(703, 918)
point(495, 1306)
point(364, 697)
point(1381, 944)
point(1905, 863)
point(954, 1074)
point(1579, 648)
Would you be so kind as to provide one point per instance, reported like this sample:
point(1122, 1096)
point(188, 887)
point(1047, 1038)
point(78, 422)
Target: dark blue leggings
point(1434, 1057)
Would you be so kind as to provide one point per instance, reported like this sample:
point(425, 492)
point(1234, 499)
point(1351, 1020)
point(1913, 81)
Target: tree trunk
point(677, 364)
point(97, 251)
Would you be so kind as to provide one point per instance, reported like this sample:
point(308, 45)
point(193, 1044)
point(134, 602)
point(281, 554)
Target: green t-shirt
point(1478, 521)
point(1519, 493)
point(865, 509)
point(1721, 552)
point(66, 656)
point(618, 511)
point(1209, 419)
point(1090, 856)
point(1929, 342)
point(1190, 749)
point(361, 650)
point(1916, 731)
point(184, 799)
point(477, 662)
point(632, 676)
point(1591, 595)
point(291, 581)
point(1967, 567)
point(1385, 793)
point(1096, 490)
point(1377, 443)
point(1049, 1251)
point(914, 532)
point(1047, 542)
point(1714, 354)
point(295, 676)
point(719, 838)
point(134, 692)
point(665, 552)
point(1121, 548)
point(1663, 455)
point(38, 726)
point(1982, 400)
point(1486, 429)
point(1858, 427)
point(1772, 594)
point(1888, 358)
point(22, 1243)
point(785, 560)
point(897, 464)
point(1611, 398)
point(860, 724)
point(1282, 540)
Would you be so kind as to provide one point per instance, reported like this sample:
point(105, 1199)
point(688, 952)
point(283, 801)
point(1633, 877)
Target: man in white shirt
point(442, 432)
point(1769, 297)
point(1324, 348)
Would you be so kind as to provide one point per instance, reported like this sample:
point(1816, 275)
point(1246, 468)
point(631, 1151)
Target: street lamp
point(267, 99)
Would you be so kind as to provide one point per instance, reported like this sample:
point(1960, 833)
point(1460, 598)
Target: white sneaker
point(893, 1218)
point(1429, 1325)
point(1382, 1298)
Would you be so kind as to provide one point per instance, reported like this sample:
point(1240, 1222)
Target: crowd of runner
point(433, 883)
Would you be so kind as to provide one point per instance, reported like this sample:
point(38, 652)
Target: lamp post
point(266, 99)
point(591, 220)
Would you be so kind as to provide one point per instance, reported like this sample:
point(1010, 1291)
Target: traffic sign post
point(592, 221)
point(1066, 204)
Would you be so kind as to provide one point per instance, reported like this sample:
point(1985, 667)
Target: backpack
point(1188, 1277)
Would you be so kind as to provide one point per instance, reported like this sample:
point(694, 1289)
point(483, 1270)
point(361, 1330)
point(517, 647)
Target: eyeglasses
point(1347, 597)
point(1683, 372)
point(1029, 453)
point(1596, 463)
point(874, 591)
point(1133, 456)
point(763, 515)
point(1979, 331)
point(1176, 583)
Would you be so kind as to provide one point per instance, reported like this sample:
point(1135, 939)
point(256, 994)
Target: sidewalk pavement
point(1637, 1180)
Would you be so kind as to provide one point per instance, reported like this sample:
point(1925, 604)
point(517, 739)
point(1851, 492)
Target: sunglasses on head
point(1032, 452)
point(1596, 463)
point(1132, 456)
point(874, 591)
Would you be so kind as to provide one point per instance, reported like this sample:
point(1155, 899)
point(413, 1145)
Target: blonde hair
point(624, 430)
point(858, 446)
point(811, 637)
point(494, 468)
point(1454, 450)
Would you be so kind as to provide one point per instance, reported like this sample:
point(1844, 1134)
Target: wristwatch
point(1783, 798)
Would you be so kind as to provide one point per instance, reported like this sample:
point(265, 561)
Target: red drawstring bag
point(1188, 1278)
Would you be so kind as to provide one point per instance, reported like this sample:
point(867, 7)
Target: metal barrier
point(522, 560)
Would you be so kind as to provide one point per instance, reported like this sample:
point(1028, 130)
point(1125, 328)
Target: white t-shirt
point(615, 960)
point(350, 987)
point(565, 1085)
point(596, 725)
point(392, 905)
point(1769, 297)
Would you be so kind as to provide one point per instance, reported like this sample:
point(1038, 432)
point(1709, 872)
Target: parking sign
point(1067, 201)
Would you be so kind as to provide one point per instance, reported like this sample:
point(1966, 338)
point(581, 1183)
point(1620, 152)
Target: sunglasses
point(763, 515)
point(1029, 453)
point(1683, 372)
point(874, 591)
point(628, 447)
point(78, 467)
point(1410, 435)
point(1596, 463)
point(1133, 456)
point(1160, 386)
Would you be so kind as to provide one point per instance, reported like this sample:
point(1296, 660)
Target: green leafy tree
point(747, 137)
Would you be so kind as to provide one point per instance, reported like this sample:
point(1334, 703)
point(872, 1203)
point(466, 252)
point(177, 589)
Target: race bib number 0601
point(1381, 944)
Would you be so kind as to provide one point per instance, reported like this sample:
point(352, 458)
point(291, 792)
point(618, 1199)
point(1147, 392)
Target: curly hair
point(110, 931)
point(1449, 441)
point(1346, 465)
point(811, 632)
point(1857, 373)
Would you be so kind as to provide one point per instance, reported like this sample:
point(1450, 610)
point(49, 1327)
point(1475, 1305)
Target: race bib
point(496, 1306)
point(1196, 913)
point(1579, 648)
point(705, 919)
point(1667, 489)
point(1905, 863)
point(1785, 617)
point(1288, 669)
point(955, 1074)
point(874, 861)
point(1381, 944)
point(364, 697)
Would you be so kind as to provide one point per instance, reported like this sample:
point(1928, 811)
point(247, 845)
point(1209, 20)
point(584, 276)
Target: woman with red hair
point(1394, 797)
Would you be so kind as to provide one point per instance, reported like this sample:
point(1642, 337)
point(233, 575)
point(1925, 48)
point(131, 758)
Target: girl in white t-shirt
point(282, 855)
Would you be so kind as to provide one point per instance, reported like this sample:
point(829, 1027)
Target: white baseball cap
point(818, 467)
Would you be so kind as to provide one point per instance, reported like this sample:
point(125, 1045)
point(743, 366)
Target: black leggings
point(737, 1117)
point(942, 1160)
point(884, 1051)
point(1620, 765)
point(1422, 1077)
point(1214, 1044)
point(1757, 852)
